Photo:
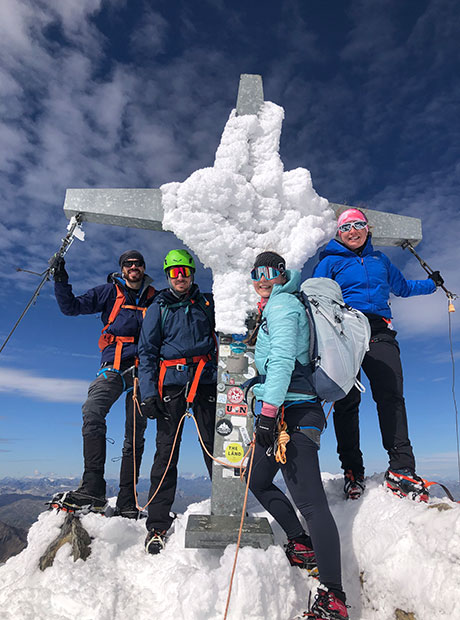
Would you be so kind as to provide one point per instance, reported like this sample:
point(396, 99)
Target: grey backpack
point(339, 339)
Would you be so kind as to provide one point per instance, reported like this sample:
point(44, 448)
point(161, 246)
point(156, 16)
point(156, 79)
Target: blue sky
point(136, 94)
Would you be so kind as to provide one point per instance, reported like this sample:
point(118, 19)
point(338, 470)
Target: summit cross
point(143, 208)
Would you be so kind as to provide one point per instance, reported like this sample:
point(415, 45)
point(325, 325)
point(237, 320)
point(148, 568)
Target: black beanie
point(131, 254)
point(270, 259)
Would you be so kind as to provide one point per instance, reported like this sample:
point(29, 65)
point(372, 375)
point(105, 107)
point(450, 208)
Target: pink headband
point(351, 215)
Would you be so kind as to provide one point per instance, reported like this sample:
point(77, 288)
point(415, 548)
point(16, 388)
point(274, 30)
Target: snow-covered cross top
point(244, 204)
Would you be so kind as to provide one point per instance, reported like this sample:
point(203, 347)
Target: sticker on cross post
point(236, 409)
point(245, 436)
point(235, 395)
point(234, 452)
point(224, 350)
point(224, 427)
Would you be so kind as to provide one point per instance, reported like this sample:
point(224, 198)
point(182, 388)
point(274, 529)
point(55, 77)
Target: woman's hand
point(265, 431)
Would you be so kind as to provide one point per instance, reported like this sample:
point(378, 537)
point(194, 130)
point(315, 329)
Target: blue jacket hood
point(291, 286)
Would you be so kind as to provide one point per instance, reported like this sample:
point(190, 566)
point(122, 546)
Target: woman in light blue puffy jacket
point(282, 360)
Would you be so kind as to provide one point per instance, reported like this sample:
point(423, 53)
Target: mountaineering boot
point(155, 541)
point(354, 485)
point(406, 483)
point(79, 501)
point(299, 552)
point(328, 606)
point(130, 511)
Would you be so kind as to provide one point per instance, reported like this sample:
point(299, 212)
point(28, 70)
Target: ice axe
point(450, 296)
point(74, 231)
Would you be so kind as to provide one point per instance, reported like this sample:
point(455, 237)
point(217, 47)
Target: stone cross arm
point(142, 208)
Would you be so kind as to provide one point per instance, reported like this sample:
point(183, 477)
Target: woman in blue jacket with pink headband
point(367, 277)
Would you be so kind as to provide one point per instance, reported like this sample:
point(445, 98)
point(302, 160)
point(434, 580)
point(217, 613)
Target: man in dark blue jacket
point(367, 277)
point(122, 303)
point(177, 369)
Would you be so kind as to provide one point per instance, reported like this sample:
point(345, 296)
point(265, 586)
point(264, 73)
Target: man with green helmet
point(177, 370)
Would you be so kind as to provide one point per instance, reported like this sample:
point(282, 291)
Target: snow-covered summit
point(246, 204)
point(396, 554)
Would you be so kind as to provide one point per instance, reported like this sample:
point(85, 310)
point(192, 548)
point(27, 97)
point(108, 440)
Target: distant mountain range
point(23, 499)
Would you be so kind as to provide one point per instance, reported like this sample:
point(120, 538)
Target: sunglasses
point(174, 272)
point(135, 262)
point(269, 273)
point(359, 225)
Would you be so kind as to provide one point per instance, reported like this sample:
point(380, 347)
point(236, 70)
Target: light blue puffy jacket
point(282, 346)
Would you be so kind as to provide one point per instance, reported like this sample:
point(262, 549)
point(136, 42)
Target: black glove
point(153, 408)
point(57, 266)
point(437, 278)
point(265, 431)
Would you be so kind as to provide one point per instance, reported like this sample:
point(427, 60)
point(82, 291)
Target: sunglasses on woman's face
point(174, 272)
point(269, 273)
point(359, 225)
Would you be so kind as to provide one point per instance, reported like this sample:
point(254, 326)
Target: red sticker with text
point(235, 395)
point(236, 409)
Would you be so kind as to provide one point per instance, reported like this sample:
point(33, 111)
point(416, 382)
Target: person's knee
point(93, 427)
point(128, 447)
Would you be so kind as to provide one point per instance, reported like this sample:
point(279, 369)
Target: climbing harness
point(182, 364)
point(107, 339)
point(109, 368)
point(74, 231)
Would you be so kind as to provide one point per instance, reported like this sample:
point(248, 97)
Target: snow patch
point(406, 555)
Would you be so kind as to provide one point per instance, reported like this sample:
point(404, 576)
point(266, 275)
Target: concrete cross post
point(142, 208)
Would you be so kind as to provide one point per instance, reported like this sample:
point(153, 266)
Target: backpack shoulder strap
point(119, 301)
point(150, 292)
point(303, 298)
point(205, 305)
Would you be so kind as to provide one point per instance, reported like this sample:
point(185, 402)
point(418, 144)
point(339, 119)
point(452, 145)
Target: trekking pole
point(450, 296)
point(74, 229)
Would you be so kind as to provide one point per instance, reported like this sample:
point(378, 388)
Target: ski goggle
point(359, 225)
point(269, 273)
point(132, 262)
point(174, 272)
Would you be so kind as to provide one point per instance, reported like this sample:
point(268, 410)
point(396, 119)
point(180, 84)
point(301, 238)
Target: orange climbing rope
point(187, 414)
point(240, 531)
point(282, 440)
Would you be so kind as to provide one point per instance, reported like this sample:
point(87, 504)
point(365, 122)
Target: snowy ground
point(395, 554)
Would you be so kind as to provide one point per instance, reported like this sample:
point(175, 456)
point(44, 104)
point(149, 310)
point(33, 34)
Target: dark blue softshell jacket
point(187, 331)
point(101, 299)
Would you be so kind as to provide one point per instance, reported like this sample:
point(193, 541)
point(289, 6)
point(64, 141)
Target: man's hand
point(265, 431)
point(57, 266)
point(153, 408)
point(437, 278)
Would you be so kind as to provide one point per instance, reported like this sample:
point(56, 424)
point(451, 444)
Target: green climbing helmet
point(174, 258)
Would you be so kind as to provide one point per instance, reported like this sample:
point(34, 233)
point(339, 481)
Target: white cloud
point(75, 116)
point(29, 385)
